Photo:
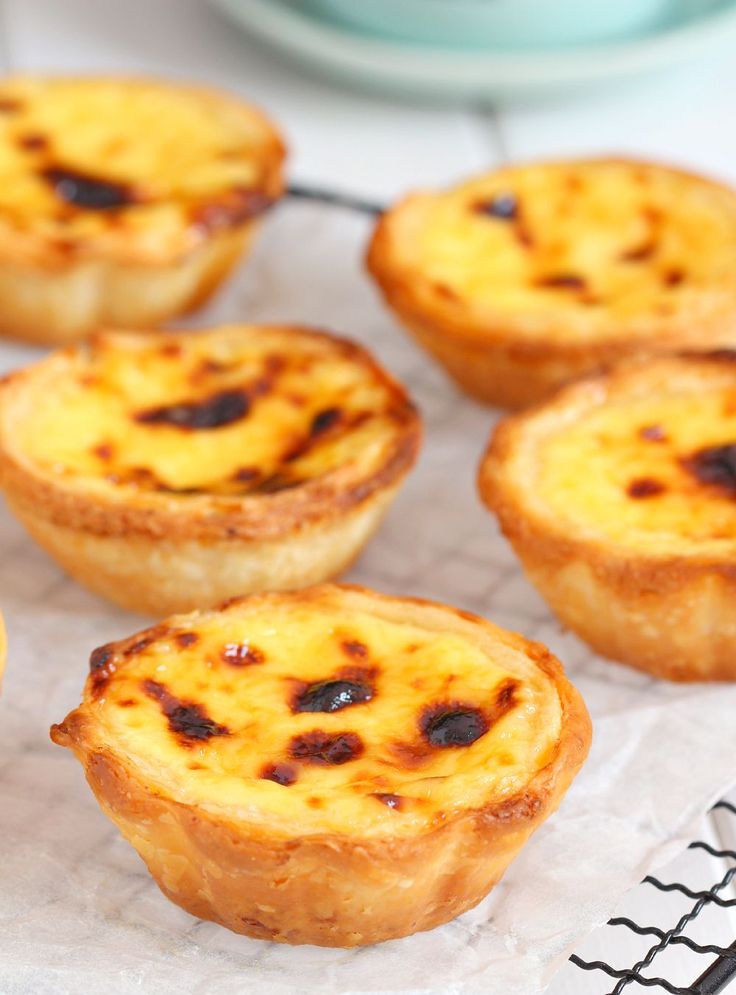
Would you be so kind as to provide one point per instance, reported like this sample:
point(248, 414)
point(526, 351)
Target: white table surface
point(378, 149)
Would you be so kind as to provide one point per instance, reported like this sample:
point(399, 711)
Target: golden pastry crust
point(535, 275)
point(332, 766)
point(169, 471)
point(123, 201)
point(618, 497)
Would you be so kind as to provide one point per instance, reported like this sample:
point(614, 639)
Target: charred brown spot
point(354, 648)
point(170, 350)
point(523, 235)
point(503, 206)
point(275, 483)
point(505, 699)
point(33, 142)
point(391, 801)
point(10, 105)
point(326, 748)
point(186, 639)
point(443, 290)
point(714, 465)
point(718, 355)
point(639, 253)
point(562, 281)
point(645, 487)
point(91, 193)
point(653, 433)
point(101, 667)
point(323, 424)
point(242, 655)
point(673, 277)
point(65, 246)
point(220, 409)
point(236, 206)
point(127, 703)
point(451, 724)
point(187, 719)
point(139, 645)
point(280, 773)
point(324, 420)
point(103, 451)
point(100, 657)
point(245, 474)
point(331, 696)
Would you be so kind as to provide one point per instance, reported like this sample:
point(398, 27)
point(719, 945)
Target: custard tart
point(123, 201)
point(330, 766)
point(534, 275)
point(170, 471)
point(618, 497)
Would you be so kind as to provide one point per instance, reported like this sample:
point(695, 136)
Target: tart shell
point(512, 360)
point(330, 889)
point(56, 304)
point(669, 612)
point(156, 554)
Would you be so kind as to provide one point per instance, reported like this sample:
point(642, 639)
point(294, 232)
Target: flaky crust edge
point(491, 357)
point(671, 615)
point(331, 889)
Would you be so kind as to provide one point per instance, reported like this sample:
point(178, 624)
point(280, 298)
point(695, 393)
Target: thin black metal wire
point(698, 948)
point(719, 974)
point(335, 199)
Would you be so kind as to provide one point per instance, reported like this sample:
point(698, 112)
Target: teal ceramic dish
point(500, 24)
point(389, 66)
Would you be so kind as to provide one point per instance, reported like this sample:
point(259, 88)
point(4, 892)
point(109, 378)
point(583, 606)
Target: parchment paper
point(79, 914)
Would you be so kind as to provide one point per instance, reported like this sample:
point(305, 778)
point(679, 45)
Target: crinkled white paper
point(79, 914)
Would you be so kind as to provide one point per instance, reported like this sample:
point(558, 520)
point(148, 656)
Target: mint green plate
point(389, 65)
point(498, 24)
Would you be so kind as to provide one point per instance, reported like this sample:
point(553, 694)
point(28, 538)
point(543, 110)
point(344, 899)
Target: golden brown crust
point(63, 279)
point(330, 888)
point(204, 545)
point(667, 611)
point(513, 359)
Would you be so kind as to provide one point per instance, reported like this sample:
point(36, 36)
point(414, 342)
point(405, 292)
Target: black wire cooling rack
point(720, 967)
point(720, 971)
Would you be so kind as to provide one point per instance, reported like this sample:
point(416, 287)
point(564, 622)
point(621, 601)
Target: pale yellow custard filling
point(235, 711)
point(593, 243)
point(235, 411)
point(648, 473)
